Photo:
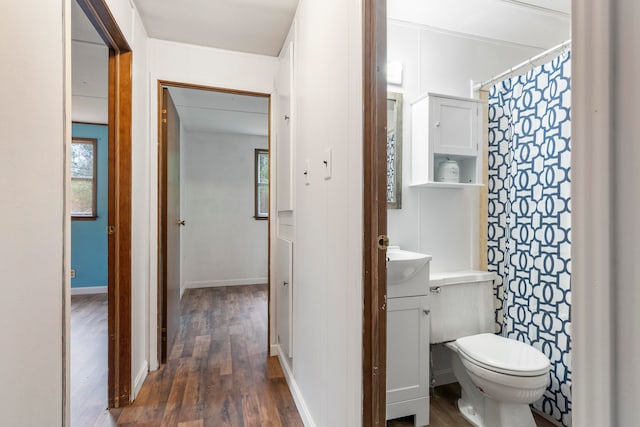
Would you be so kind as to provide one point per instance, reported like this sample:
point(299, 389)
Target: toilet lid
point(503, 355)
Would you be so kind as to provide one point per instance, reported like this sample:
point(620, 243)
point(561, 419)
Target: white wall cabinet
point(446, 128)
point(284, 142)
point(284, 296)
point(408, 358)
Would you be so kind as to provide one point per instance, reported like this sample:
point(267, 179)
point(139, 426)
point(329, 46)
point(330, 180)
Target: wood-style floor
point(218, 373)
point(443, 410)
point(88, 358)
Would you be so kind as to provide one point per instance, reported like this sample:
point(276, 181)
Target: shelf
point(449, 185)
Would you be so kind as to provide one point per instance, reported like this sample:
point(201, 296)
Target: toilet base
point(483, 411)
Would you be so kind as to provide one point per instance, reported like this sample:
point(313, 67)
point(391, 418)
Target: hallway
point(218, 373)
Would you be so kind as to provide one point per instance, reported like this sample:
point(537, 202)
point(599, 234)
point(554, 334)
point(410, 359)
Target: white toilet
point(499, 377)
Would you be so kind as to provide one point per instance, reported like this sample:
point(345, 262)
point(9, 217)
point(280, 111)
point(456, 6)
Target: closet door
point(284, 121)
point(284, 296)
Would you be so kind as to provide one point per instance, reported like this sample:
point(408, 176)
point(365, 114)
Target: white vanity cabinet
point(446, 128)
point(408, 358)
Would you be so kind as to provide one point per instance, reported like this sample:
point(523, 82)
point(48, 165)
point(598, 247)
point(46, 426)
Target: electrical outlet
point(73, 273)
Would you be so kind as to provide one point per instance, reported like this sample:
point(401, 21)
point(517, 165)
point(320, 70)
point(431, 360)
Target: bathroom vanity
point(408, 335)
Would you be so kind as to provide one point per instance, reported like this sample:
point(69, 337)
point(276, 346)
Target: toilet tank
point(461, 305)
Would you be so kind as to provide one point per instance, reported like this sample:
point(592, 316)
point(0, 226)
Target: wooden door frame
point(119, 201)
point(162, 195)
point(374, 322)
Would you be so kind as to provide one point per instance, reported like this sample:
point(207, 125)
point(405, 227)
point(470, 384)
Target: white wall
point(90, 86)
point(140, 252)
point(439, 222)
point(179, 62)
point(34, 264)
point(327, 271)
point(223, 243)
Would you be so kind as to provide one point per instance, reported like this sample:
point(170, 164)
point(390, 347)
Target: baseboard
point(226, 282)
point(303, 410)
point(89, 290)
point(139, 379)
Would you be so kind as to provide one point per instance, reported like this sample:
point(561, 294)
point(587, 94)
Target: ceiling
point(253, 26)
point(536, 23)
point(219, 112)
point(89, 70)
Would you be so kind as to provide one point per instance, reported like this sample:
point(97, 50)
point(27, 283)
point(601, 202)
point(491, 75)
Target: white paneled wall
point(441, 222)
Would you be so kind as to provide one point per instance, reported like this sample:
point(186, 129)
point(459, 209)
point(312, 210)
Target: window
point(262, 184)
point(83, 178)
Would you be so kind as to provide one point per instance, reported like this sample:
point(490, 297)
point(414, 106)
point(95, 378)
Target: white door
point(284, 296)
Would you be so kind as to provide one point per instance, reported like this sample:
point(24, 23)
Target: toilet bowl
point(499, 377)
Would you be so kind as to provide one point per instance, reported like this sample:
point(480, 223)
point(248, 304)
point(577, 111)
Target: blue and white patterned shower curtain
point(529, 218)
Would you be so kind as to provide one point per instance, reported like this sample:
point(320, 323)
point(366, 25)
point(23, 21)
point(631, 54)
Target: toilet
point(499, 377)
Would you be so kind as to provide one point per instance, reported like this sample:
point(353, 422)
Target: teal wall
point(89, 238)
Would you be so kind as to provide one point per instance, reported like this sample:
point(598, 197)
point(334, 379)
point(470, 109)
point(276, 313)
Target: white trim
point(273, 349)
point(538, 8)
point(139, 379)
point(301, 405)
point(89, 290)
point(225, 282)
point(593, 392)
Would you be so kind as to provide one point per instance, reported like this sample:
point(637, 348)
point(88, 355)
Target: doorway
point(213, 204)
point(102, 185)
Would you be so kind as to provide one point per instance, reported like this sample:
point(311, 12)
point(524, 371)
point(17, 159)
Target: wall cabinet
point(446, 128)
point(284, 138)
point(408, 358)
point(284, 296)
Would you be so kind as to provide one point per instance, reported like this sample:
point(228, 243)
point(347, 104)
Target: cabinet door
point(453, 126)
point(284, 296)
point(407, 348)
point(284, 140)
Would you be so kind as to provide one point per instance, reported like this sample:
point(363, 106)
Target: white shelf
point(449, 185)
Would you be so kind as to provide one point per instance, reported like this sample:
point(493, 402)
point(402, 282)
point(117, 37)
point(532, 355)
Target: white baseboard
point(303, 410)
point(89, 290)
point(139, 379)
point(226, 282)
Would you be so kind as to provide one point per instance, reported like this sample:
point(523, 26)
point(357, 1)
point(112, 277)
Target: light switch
point(326, 163)
point(307, 172)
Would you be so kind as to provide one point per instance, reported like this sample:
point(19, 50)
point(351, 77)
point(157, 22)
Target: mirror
point(394, 150)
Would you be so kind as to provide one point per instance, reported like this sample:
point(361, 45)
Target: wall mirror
point(394, 150)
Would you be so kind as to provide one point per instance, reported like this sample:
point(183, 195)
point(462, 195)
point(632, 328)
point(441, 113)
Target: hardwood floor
point(217, 373)
point(88, 358)
point(443, 410)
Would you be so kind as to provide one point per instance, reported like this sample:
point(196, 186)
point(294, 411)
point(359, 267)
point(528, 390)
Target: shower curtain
point(529, 224)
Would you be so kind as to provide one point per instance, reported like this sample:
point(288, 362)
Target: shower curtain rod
point(528, 63)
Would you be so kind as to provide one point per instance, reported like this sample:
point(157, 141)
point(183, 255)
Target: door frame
point(119, 201)
point(162, 194)
point(374, 322)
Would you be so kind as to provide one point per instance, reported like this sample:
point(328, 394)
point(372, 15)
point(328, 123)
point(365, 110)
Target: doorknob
point(181, 222)
point(383, 242)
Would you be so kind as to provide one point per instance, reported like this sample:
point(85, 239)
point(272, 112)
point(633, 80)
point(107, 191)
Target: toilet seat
point(503, 355)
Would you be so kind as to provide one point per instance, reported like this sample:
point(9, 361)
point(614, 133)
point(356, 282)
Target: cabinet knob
point(437, 124)
point(427, 312)
point(285, 283)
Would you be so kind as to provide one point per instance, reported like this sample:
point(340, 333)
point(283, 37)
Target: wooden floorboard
point(88, 358)
point(443, 410)
point(217, 373)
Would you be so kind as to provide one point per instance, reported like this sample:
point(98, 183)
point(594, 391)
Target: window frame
point(256, 184)
point(94, 187)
